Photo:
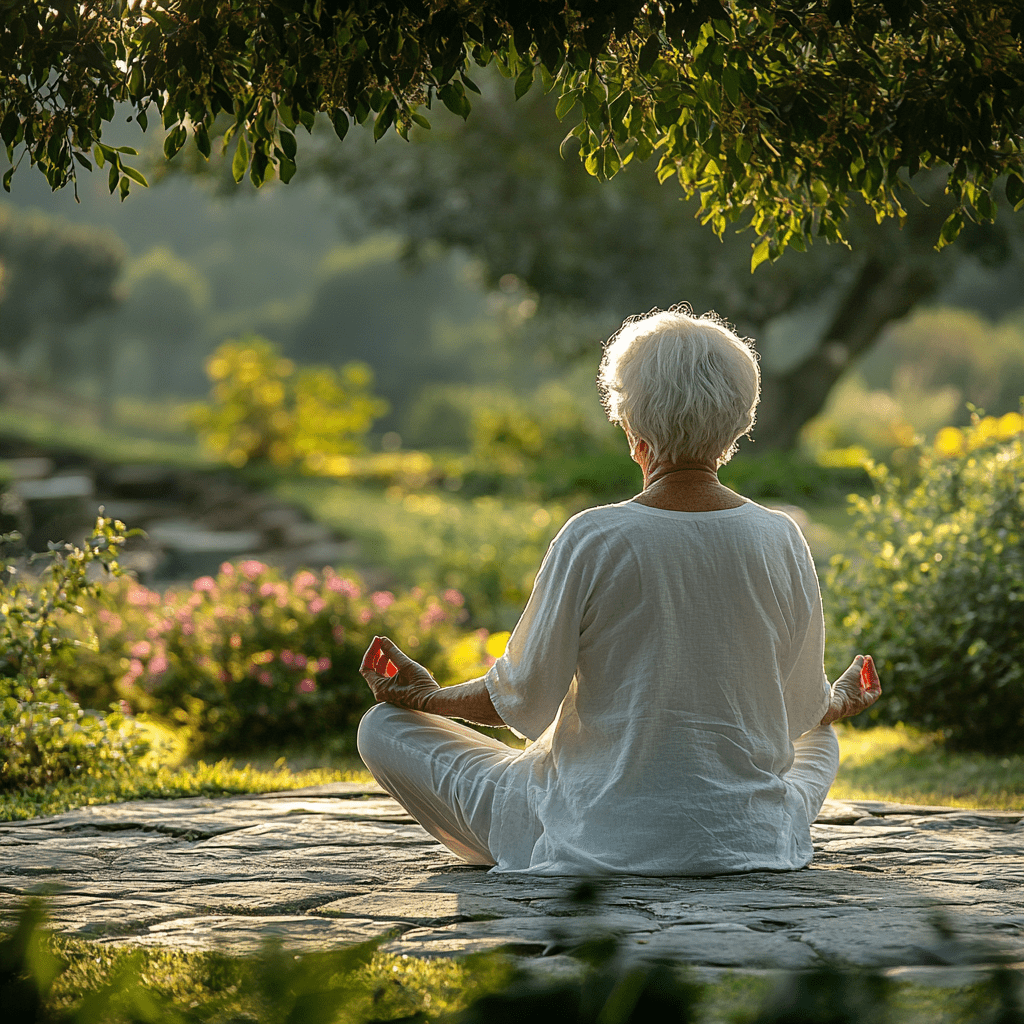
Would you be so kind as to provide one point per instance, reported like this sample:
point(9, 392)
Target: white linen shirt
point(662, 667)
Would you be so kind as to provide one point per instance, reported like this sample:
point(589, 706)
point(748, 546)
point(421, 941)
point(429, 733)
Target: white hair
point(686, 385)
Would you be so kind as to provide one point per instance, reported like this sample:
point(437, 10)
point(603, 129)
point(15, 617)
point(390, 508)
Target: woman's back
point(688, 649)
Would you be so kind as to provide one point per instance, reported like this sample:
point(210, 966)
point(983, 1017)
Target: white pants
point(444, 773)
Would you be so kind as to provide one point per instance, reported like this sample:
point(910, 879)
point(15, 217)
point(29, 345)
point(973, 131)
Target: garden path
point(890, 886)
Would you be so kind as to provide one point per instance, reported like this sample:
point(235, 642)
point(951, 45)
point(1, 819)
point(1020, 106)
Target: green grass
point(908, 766)
point(220, 988)
point(223, 778)
point(489, 548)
point(92, 440)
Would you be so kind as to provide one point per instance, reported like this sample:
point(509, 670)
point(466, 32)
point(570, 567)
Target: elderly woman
point(667, 668)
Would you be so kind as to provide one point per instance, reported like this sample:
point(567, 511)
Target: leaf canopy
point(773, 112)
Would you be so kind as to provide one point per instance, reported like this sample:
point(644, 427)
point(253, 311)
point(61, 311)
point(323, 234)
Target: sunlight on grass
point(908, 766)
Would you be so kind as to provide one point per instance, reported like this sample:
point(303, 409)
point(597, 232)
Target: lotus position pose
point(668, 667)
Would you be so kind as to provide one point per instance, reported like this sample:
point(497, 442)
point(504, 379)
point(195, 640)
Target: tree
point(55, 276)
point(773, 111)
point(496, 187)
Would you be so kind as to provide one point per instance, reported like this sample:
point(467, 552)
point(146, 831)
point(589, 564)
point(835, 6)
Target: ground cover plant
point(935, 589)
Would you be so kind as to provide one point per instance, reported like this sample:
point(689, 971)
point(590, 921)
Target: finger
point(395, 654)
point(869, 681)
point(371, 659)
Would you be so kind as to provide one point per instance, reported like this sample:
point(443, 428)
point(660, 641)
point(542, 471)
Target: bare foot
point(854, 691)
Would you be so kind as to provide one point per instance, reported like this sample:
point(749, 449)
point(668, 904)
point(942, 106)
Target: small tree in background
point(263, 410)
point(936, 591)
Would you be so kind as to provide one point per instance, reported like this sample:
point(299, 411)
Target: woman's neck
point(685, 485)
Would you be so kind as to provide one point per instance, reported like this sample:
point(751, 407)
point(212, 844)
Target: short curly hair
point(686, 385)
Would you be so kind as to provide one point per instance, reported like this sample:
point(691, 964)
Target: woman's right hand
point(854, 691)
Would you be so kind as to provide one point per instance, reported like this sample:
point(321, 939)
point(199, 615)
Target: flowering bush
point(936, 592)
point(44, 733)
point(250, 656)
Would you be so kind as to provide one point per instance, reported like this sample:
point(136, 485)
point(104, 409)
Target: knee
point(377, 723)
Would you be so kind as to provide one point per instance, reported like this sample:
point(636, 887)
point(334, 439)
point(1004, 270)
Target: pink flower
point(317, 605)
point(140, 650)
point(343, 586)
point(323, 664)
point(135, 669)
point(304, 580)
point(140, 595)
point(251, 568)
point(306, 686)
point(432, 616)
point(265, 678)
point(235, 641)
point(453, 596)
point(227, 569)
point(158, 665)
point(153, 632)
point(365, 615)
point(288, 658)
point(338, 632)
point(224, 676)
point(416, 593)
point(383, 599)
point(267, 589)
point(126, 708)
point(188, 627)
point(204, 584)
point(300, 661)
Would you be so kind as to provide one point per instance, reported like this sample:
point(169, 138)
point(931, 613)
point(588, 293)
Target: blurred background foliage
point(417, 328)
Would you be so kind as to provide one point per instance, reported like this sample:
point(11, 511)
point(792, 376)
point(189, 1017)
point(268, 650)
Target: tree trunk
point(880, 294)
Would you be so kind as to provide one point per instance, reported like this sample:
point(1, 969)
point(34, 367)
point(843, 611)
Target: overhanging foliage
point(774, 112)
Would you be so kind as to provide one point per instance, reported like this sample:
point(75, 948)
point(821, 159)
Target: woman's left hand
point(395, 678)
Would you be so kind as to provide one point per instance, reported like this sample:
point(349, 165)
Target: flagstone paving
point(894, 886)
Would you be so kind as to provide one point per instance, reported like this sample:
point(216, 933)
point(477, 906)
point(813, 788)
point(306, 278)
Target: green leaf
point(124, 185)
point(950, 229)
point(202, 140)
point(649, 53)
point(7, 179)
point(143, 119)
point(340, 122)
point(760, 254)
point(135, 175)
point(524, 81)
point(1015, 191)
point(286, 169)
point(174, 141)
point(453, 96)
point(419, 119)
point(731, 84)
point(241, 159)
point(112, 178)
point(288, 144)
point(566, 102)
point(384, 120)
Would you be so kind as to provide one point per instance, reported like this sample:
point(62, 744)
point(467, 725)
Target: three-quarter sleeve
point(529, 681)
point(805, 688)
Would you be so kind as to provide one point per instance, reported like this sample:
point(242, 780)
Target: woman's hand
point(854, 691)
point(395, 678)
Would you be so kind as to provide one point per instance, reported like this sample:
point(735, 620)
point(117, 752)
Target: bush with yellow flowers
point(936, 590)
point(262, 409)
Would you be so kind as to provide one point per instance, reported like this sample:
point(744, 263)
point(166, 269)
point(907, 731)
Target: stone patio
point(341, 863)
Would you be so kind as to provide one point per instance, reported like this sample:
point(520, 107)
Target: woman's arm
point(395, 678)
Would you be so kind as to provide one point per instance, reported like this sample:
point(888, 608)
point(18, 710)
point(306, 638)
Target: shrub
point(46, 734)
point(263, 410)
point(250, 657)
point(936, 592)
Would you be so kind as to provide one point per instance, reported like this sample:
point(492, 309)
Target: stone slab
point(341, 863)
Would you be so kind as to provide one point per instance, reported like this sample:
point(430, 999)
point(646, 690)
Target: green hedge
point(936, 591)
